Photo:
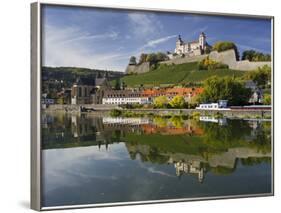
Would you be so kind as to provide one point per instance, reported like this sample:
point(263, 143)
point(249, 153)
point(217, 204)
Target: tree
point(226, 45)
point(154, 58)
point(177, 102)
point(227, 88)
point(267, 99)
point(261, 76)
point(151, 58)
point(142, 58)
point(132, 60)
point(160, 102)
point(253, 55)
point(161, 56)
point(117, 85)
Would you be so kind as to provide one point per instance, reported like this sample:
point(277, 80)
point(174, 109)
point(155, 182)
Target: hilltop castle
point(197, 47)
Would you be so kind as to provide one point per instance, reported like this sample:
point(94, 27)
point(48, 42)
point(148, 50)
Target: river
point(88, 159)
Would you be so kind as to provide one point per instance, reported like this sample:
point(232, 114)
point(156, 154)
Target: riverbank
point(114, 110)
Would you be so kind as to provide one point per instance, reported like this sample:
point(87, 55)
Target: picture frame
point(182, 54)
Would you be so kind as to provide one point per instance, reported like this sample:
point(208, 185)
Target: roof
point(99, 81)
point(182, 91)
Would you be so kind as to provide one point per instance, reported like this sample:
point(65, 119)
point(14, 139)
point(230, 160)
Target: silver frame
point(36, 56)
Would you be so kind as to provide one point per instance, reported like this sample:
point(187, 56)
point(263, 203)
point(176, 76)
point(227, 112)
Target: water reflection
point(159, 152)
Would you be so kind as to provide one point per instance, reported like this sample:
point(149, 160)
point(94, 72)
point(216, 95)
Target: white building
point(192, 48)
point(126, 100)
point(221, 105)
point(120, 97)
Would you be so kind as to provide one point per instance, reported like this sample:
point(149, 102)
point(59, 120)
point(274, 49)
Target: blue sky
point(105, 39)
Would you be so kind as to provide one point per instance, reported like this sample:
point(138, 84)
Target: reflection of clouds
point(151, 169)
point(68, 167)
point(56, 157)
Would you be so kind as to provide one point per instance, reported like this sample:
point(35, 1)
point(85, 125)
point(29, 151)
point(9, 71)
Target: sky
point(106, 39)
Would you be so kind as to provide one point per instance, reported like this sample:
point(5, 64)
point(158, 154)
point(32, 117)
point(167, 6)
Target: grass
point(176, 74)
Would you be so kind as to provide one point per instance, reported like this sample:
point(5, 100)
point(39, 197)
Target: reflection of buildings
point(146, 126)
point(193, 167)
point(171, 130)
point(195, 164)
point(121, 120)
point(220, 121)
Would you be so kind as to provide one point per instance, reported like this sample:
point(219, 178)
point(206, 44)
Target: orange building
point(186, 92)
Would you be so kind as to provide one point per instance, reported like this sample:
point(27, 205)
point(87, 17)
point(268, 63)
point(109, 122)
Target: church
point(192, 48)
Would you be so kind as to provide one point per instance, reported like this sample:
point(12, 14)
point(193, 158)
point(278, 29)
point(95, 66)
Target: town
point(242, 82)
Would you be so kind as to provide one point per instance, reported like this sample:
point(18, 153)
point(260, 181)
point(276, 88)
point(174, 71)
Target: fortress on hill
point(195, 51)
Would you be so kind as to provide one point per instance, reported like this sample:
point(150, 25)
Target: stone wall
point(142, 68)
point(228, 57)
point(180, 60)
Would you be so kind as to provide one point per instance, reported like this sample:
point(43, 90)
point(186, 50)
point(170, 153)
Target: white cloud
point(143, 25)
point(70, 47)
point(111, 35)
point(153, 43)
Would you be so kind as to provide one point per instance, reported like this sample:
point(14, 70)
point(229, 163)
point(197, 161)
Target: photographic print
point(143, 106)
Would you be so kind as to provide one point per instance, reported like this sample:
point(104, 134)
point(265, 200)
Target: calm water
point(90, 160)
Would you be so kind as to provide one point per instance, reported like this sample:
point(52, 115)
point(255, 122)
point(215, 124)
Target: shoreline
point(233, 113)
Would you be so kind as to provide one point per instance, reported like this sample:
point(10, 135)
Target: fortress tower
point(191, 48)
point(202, 41)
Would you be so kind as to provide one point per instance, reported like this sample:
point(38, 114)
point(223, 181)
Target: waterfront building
point(222, 104)
point(186, 92)
point(120, 97)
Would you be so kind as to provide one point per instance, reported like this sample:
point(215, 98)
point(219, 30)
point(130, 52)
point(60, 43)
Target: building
point(222, 104)
point(120, 97)
point(186, 92)
point(192, 48)
point(257, 93)
point(89, 91)
point(82, 91)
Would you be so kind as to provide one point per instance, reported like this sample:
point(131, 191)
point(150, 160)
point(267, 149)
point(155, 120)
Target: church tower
point(202, 40)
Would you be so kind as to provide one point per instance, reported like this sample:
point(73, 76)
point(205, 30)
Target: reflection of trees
point(254, 161)
point(234, 131)
point(177, 121)
point(219, 148)
point(160, 121)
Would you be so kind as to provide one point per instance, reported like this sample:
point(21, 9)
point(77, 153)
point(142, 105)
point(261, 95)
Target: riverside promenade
point(105, 109)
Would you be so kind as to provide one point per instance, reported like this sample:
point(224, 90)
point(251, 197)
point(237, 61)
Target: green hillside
point(176, 74)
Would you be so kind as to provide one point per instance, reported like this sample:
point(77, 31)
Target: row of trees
point(177, 102)
point(226, 88)
point(152, 58)
point(253, 55)
point(261, 76)
point(250, 55)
